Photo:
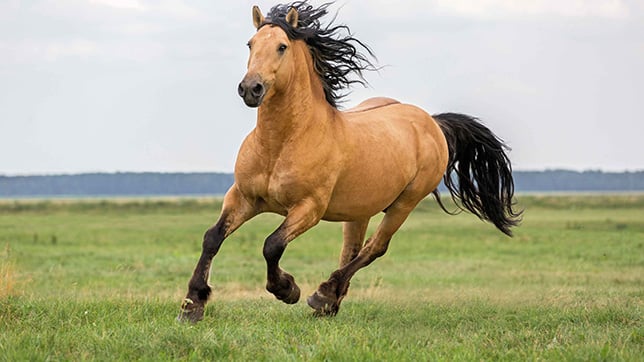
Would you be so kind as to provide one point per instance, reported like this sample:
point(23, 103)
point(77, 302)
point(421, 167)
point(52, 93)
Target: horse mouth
point(253, 102)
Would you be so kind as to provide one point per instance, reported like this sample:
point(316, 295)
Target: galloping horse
point(309, 161)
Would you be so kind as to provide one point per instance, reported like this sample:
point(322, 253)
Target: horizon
point(176, 184)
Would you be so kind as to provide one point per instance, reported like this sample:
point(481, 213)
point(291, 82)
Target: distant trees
point(563, 180)
point(151, 183)
point(117, 184)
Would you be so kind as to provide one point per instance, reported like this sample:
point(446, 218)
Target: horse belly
point(355, 204)
point(371, 183)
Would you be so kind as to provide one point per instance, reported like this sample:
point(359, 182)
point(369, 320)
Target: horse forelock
point(339, 59)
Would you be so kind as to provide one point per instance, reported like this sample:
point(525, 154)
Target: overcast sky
point(138, 85)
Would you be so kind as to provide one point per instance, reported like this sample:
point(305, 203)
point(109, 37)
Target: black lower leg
point(193, 305)
point(327, 298)
point(212, 240)
point(278, 282)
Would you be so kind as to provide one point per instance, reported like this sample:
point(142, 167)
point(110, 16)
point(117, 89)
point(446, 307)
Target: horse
point(309, 161)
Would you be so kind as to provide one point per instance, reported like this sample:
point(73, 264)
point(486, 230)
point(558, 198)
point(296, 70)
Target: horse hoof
point(292, 297)
point(190, 311)
point(323, 305)
point(288, 294)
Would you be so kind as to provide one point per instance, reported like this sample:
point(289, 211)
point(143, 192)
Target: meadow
point(103, 280)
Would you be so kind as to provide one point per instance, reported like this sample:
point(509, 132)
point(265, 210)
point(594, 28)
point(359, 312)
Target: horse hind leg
point(326, 299)
point(353, 233)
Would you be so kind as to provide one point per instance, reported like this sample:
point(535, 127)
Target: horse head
point(271, 59)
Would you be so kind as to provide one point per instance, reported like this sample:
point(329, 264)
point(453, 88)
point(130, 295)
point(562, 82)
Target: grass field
point(94, 279)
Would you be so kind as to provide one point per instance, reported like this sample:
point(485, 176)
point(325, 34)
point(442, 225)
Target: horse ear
point(258, 18)
point(292, 17)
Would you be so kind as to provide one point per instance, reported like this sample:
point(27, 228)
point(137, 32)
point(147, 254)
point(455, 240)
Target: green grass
point(85, 280)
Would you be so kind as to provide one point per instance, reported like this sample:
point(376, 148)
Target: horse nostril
point(258, 90)
point(240, 90)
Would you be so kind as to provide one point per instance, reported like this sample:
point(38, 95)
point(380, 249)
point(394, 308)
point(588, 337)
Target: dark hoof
point(323, 305)
point(293, 296)
point(191, 311)
point(288, 293)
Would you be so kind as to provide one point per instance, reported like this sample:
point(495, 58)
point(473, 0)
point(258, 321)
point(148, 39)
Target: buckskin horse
point(308, 161)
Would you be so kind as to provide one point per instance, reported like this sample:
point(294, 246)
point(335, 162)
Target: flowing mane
point(336, 53)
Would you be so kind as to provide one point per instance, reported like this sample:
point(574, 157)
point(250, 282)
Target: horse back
point(372, 103)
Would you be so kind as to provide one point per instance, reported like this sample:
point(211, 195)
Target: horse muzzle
point(252, 90)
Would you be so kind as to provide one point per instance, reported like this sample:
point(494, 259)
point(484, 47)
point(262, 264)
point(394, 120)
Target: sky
point(142, 85)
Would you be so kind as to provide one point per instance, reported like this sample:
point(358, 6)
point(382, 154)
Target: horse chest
point(276, 187)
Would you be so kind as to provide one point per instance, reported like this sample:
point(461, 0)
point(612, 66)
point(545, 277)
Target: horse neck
point(299, 110)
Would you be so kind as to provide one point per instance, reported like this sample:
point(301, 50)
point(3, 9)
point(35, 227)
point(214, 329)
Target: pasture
point(96, 279)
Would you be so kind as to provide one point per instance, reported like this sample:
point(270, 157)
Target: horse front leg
point(235, 211)
point(298, 219)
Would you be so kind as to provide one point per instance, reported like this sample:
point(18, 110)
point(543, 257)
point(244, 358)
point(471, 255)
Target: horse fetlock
point(203, 293)
point(333, 287)
point(198, 290)
point(343, 290)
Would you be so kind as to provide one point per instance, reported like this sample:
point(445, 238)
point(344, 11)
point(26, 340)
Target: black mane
point(335, 51)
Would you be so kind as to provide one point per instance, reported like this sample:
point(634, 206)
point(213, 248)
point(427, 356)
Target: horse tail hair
point(479, 173)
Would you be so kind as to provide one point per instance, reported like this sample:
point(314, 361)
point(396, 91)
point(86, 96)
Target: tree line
point(155, 184)
point(116, 184)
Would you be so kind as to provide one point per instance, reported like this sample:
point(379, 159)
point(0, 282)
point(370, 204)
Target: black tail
point(479, 173)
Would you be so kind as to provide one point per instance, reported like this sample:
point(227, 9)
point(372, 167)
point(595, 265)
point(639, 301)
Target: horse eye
point(282, 48)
